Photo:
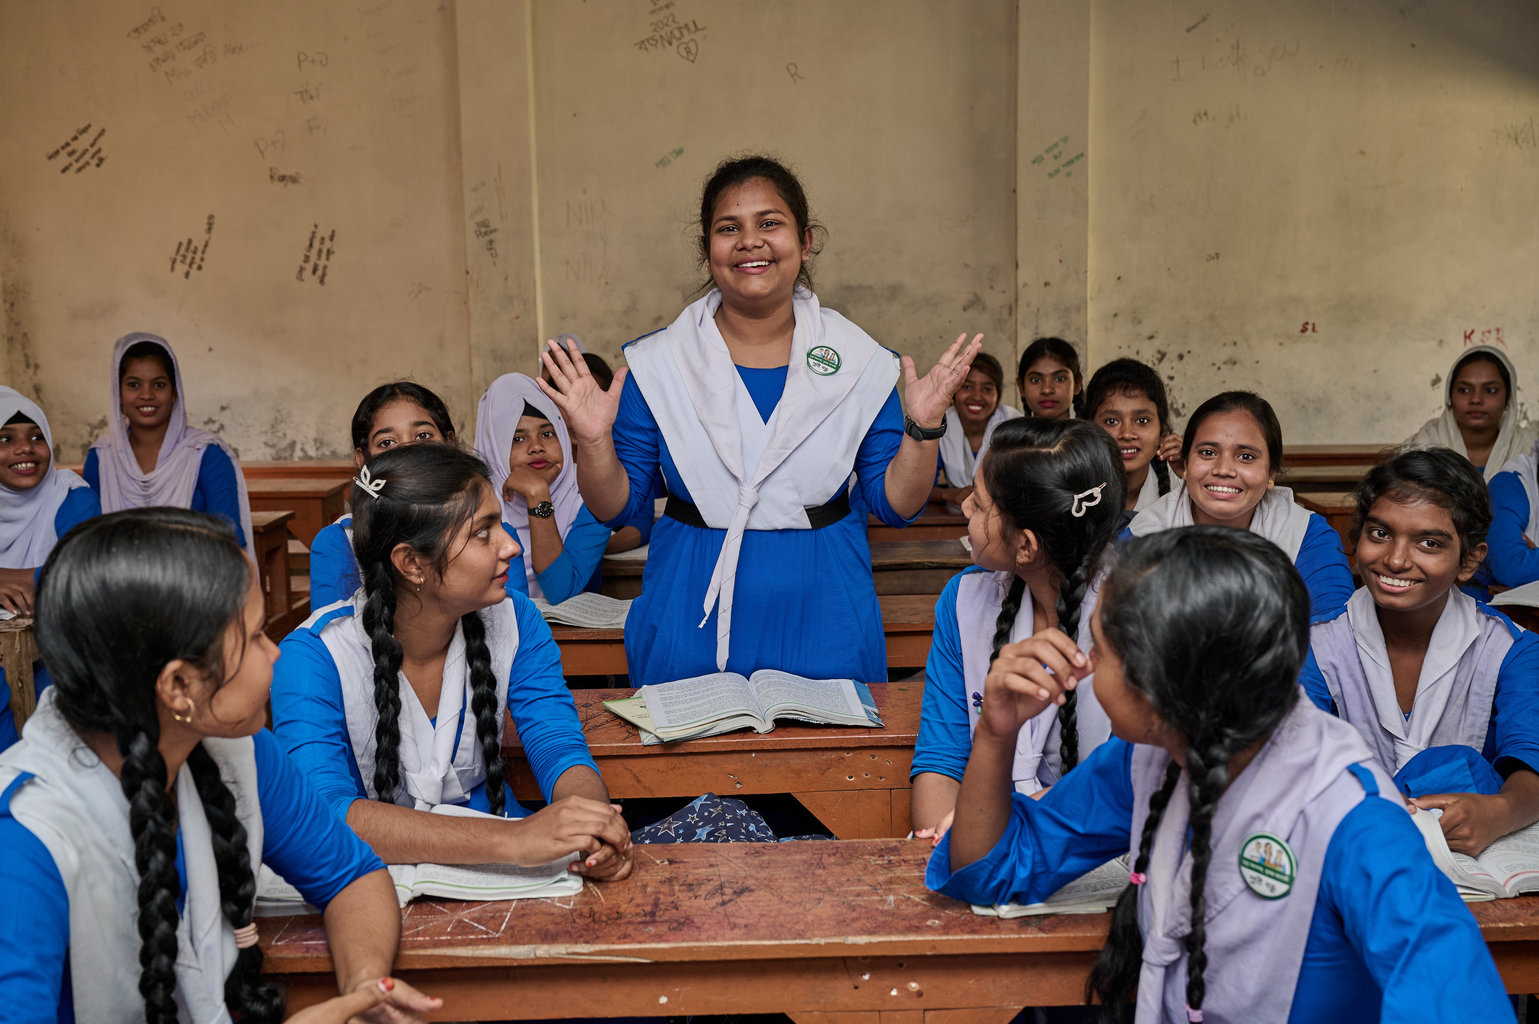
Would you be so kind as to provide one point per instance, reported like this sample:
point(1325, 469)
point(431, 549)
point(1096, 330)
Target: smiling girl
point(149, 455)
point(1127, 399)
point(1480, 414)
point(1232, 449)
point(1444, 690)
point(1050, 381)
point(975, 412)
point(524, 441)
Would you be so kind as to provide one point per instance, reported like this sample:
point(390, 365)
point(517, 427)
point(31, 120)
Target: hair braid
point(244, 990)
point(1114, 978)
point(153, 823)
point(1207, 768)
point(488, 710)
point(1162, 474)
point(1009, 609)
point(1070, 596)
point(379, 623)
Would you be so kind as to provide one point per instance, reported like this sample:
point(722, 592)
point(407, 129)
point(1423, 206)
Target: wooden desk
point(917, 566)
point(309, 469)
point(822, 932)
point(907, 619)
point(1320, 478)
point(1340, 510)
point(18, 650)
point(854, 780)
point(937, 521)
point(315, 503)
point(270, 547)
point(1360, 455)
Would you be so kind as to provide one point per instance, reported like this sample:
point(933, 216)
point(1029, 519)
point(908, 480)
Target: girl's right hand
point(1027, 677)
point(588, 409)
point(573, 824)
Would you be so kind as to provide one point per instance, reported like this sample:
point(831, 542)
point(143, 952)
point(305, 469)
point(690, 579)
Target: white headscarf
point(175, 476)
point(497, 418)
point(1511, 439)
point(27, 532)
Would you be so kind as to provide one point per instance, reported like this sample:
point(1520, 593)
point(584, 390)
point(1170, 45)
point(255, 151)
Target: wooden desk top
point(1321, 477)
point(269, 520)
point(901, 613)
point(323, 469)
point(298, 487)
point(919, 554)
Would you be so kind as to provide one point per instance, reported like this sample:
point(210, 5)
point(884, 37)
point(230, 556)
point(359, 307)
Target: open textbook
point(446, 881)
point(725, 701)
point(1507, 867)
point(591, 611)
point(1090, 893)
point(1526, 596)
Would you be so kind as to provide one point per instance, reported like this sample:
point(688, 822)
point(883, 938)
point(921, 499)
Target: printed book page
point(689, 703)
point(589, 611)
point(1091, 893)
point(826, 698)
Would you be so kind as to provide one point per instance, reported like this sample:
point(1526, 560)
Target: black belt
point(817, 518)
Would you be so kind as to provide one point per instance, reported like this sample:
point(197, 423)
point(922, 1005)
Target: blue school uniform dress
point(334, 567)
point(1514, 521)
point(1365, 931)
point(323, 711)
point(765, 566)
point(216, 491)
point(1478, 692)
point(68, 938)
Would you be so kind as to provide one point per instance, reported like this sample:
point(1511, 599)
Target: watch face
point(544, 510)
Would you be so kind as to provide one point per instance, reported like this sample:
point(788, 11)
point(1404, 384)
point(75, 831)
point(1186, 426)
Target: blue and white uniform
point(1366, 931)
point(802, 598)
point(69, 944)
point(33, 520)
point(1514, 522)
point(1512, 438)
point(324, 712)
point(215, 492)
point(1479, 688)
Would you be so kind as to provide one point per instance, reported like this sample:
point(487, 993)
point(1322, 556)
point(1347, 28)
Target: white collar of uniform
point(1277, 517)
point(1457, 628)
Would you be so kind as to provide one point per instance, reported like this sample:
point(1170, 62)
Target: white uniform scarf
point(27, 531)
point(956, 456)
point(1277, 517)
point(1511, 439)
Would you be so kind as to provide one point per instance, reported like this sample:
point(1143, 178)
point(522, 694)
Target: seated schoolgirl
point(1127, 399)
point(1480, 412)
point(1049, 380)
point(128, 898)
point(395, 414)
point(1232, 450)
point(394, 702)
point(970, 421)
point(149, 455)
point(1276, 875)
point(1046, 500)
point(525, 444)
point(1444, 690)
point(39, 502)
point(1512, 558)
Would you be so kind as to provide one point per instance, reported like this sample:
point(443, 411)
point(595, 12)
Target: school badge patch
point(1267, 865)
point(823, 360)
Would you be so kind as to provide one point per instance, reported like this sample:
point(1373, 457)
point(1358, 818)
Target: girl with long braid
point(135, 812)
point(393, 702)
point(1276, 876)
point(1045, 501)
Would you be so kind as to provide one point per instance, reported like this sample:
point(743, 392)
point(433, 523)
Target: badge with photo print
point(823, 360)
point(1267, 865)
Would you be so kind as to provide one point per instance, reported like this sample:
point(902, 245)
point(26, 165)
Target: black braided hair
point(1061, 351)
point(1437, 475)
point(262, 1003)
point(121, 597)
point(430, 493)
point(1239, 614)
point(398, 391)
point(1131, 377)
point(1033, 472)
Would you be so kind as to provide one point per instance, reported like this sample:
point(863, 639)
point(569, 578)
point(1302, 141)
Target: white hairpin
point(371, 485)
point(1086, 499)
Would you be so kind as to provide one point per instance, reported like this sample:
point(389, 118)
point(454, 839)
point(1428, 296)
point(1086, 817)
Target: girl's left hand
point(1471, 822)
point(936, 834)
point(1027, 677)
point(1169, 452)
point(925, 399)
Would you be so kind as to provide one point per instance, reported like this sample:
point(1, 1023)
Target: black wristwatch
point(544, 510)
point(919, 433)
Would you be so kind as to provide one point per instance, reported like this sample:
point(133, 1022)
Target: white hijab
point(1511, 439)
point(957, 458)
point(175, 476)
point(496, 422)
point(27, 532)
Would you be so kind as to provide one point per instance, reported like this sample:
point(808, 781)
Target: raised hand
point(925, 399)
point(1027, 677)
point(588, 409)
point(1169, 452)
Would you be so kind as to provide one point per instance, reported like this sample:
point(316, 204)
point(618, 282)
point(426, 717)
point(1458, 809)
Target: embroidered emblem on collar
point(823, 360)
point(1267, 865)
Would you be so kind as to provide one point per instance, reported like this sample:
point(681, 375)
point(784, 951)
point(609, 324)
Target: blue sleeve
point(1416, 938)
point(310, 722)
point(1514, 736)
point(1080, 824)
point(540, 703)
point(91, 472)
point(301, 839)
point(1512, 562)
point(638, 445)
point(1324, 567)
point(217, 492)
point(581, 550)
point(34, 929)
point(8, 733)
point(518, 582)
point(333, 567)
point(642, 521)
point(876, 451)
point(80, 504)
point(945, 740)
point(1315, 686)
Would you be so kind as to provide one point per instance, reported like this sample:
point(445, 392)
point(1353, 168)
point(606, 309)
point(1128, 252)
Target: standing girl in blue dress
point(1276, 876)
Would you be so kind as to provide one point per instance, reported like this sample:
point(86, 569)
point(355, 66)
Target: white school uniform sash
point(956, 456)
point(743, 473)
point(75, 806)
point(442, 763)
point(1278, 517)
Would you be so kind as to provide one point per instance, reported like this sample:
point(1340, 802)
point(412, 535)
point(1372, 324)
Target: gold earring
point(184, 718)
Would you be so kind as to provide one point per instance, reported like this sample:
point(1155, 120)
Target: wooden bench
point(854, 780)
point(907, 619)
point(917, 566)
point(827, 933)
point(316, 503)
point(307, 469)
point(936, 521)
point(270, 548)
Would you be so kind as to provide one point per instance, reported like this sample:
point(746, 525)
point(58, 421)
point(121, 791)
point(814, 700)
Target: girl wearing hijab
point(1480, 418)
point(149, 455)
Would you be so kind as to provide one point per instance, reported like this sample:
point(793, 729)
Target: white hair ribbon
point(1086, 499)
point(373, 485)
